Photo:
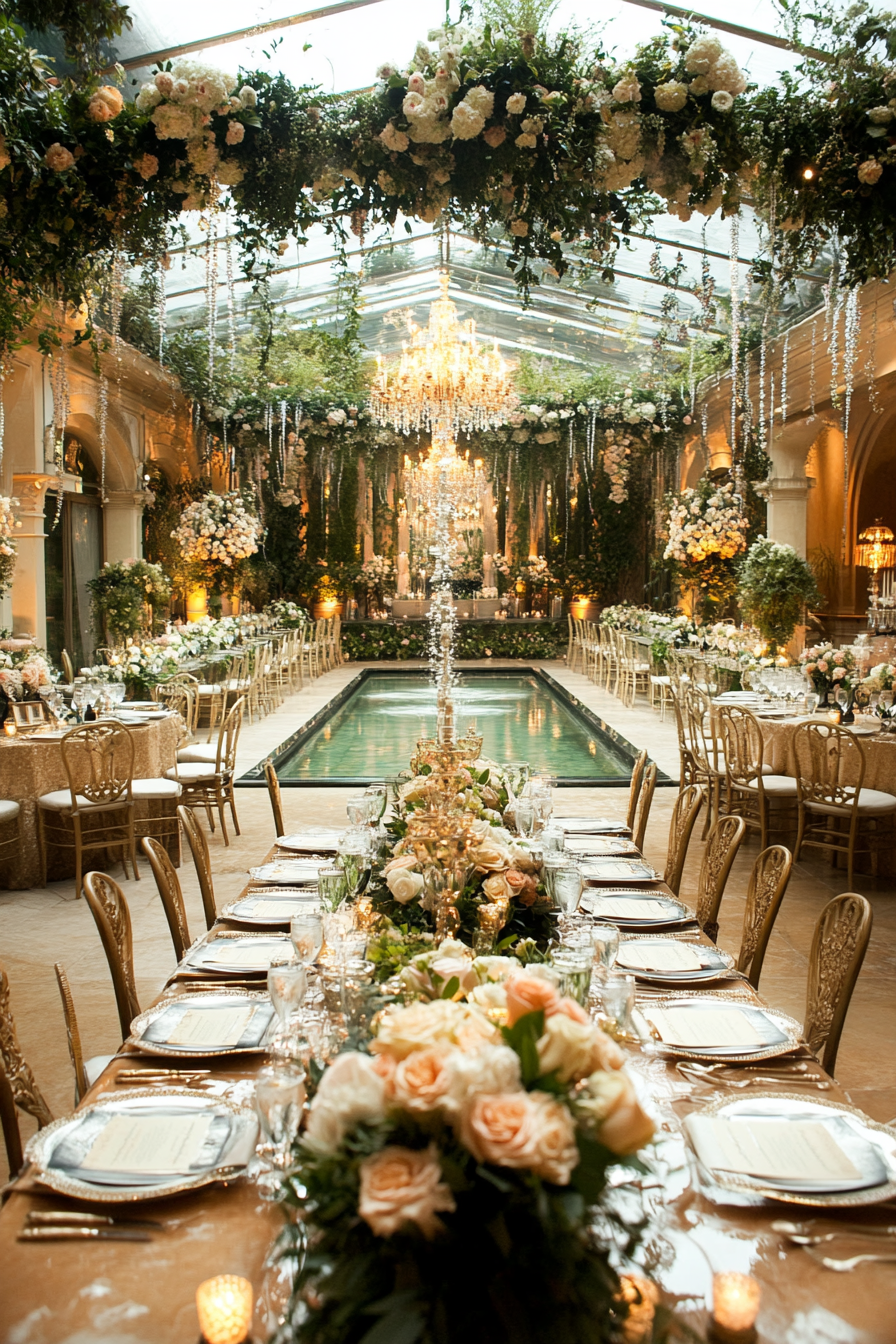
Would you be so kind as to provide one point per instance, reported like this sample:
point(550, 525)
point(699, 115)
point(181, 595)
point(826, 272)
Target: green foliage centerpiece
point(776, 586)
point(120, 595)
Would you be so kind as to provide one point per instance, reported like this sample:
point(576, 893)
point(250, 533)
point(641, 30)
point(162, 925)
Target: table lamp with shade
point(876, 550)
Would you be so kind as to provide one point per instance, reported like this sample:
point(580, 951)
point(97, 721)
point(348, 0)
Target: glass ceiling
point(580, 320)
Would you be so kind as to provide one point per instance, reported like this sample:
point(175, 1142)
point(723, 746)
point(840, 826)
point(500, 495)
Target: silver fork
point(843, 1265)
point(796, 1080)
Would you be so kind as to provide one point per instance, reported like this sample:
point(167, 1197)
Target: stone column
point(123, 525)
point(787, 488)
point(29, 595)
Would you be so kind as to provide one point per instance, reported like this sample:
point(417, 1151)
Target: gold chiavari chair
point(705, 749)
point(593, 652)
point(210, 785)
point(172, 897)
point(645, 798)
point(765, 892)
point(10, 840)
point(20, 1083)
point(660, 687)
point(750, 786)
point(170, 692)
point(607, 660)
point(323, 643)
point(573, 644)
point(311, 651)
point(823, 753)
point(725, 839)
point(633, 671)
point(684, 814)
point(688, 771)
point(86, 1071)
point(337, 640)
point(68, 667)
point(838, 949)
point(296, 675)
point(201, 862)
point(113, 921)
point(98, 759)
point(270, 775)
point(634, 788)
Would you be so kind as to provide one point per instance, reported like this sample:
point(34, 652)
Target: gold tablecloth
point(879, 752)
point(30, 767)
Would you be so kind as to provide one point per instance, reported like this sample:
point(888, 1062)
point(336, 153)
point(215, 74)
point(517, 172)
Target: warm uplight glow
point(224, 1306)
point(444, 380)
point(735, 1302)
point(808, 174)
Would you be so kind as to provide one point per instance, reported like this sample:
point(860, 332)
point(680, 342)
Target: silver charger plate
point(722, 963)
point(607, 847)
point(240, 1145)
point(677, 912)
point(259, 1026)
point(250, 909)
point(619, 870)
point(288, 872)
point(590, 825)
point(784, 1033)
point(310, 842)
point(201, 956)
point(784, 1104)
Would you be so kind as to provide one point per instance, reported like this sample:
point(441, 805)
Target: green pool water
point(374, 733)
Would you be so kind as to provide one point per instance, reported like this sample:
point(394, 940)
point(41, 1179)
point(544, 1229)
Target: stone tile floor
point(40, 927)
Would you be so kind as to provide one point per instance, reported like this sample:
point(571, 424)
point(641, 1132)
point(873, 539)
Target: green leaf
point(451, 988)
point(523, 1037)
point(399, 1326)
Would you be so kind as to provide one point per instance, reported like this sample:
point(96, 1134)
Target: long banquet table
point(32, 766)
point(58, 1293)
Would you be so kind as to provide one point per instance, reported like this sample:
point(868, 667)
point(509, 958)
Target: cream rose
point(403, 1185)
point(350, 1091)
point(525, 1130)
point(528, 994)
point(421, 1081)
point(404, 885)
point(567, 1048)
point(609, 1099)
point(496, 888)
point(423, 1025)
point(490, 1068)
point(489, 856)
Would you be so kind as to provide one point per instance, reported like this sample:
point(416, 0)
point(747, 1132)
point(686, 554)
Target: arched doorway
point(73, 552)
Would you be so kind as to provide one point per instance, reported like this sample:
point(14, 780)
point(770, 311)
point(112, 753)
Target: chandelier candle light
point(875, 550)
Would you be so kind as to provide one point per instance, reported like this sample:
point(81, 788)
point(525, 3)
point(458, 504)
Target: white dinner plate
point(253, 953)
point(780, 1033)
point(618, 870)
point(594, 903)
point(289, 872)
point(265, 907)
point(55, 1152)
point(716, 963)
point(321, 841)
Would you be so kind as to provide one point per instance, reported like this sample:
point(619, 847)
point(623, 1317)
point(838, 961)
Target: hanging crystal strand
point(211, 290)
point(771, 408)
point(812, 372)
point(2, 411)
point(734, 274)
point(850, 351)
point(871, 365)
point(747, 428)
point(283, 451)
point(784, 358)
point(102, 416)
point(61, 407)
point(692, 381)
point(704, 433)
point(161, 305)
point(763, 360)
point(231, 307)
point(836, 309)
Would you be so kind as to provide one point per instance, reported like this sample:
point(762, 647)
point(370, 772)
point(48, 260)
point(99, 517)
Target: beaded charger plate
point(238, 1128)
point(268, 907)
point(781, 1033)
point(673, 913)
point(718, 964)
point(879, 1138)
point(161, 1020)
point(202, 955)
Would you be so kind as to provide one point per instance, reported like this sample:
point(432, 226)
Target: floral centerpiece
point(882, 677)
point(8, 549)
point(23, 672)
point(776, 586)
point(120, 594)
point(828, 668)
point(706, 529)
point(287, 615)
point(453, 1184)
point(214, 534)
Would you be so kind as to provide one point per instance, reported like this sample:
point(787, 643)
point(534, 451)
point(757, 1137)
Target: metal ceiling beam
point(736, 29)
point(241, 34)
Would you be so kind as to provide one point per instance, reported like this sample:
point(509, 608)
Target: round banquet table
point(30, 767)
point(880, 770)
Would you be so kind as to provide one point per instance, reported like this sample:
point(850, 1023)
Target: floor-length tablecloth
point(30, 767)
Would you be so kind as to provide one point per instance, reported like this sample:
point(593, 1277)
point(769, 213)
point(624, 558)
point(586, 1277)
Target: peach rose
point(515, 880)
point(423, 1025)
point(105, 104)
point(641, 1297)
point(525, 1130)
point(406, 861)
point(570, 1008)
point(403, 1185)
point(609, 1099)
point(421, 1080)
point(495, 136)
point(526, 994)
point(496, 888)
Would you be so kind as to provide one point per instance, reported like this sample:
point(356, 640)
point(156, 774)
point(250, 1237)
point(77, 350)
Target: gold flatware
point(820, 1084)
point(843, 1266)
point(799, 1239)
point(163, 1073)
point(82, 1234)
point(72, 1218)
point(716, 1070)
point(787, 1228)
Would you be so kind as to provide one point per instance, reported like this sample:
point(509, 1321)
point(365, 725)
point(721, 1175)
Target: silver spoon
point(843, 1265)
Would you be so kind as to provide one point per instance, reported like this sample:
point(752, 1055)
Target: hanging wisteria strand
point(747, 425)
point(812, 371)
point(784, 359)
point(734, 274)
point(61, 408)
point(771, 410)
point(692, 379)
point(763, 361)
point(2, 412)
point(283, 439)
point(706, 289)
point(102, 420)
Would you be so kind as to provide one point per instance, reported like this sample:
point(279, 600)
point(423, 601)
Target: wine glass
point(287, 986)
point(356, 810)
point(567, 885)
point(307, 933)
point(279, 1099)
point(378, 796)
point(605, 938)
point(332, 886)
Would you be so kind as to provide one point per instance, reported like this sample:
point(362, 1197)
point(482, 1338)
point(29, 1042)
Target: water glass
point(552, 862)
point(279, 1100)
point(524, 809)
point(567, 888)
point(378, 796)
point(574, 965)
point(337, 925)
point(287, 986)
point(307, 933)
point(618, 999)
point(332, 886)
point(356, 810)
point(552, 838)
point(605, 939)
point(354, 855)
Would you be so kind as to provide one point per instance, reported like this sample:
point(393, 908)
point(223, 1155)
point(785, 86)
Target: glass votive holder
point(735, 1306)
point(617, 995)
point(224, 1306)
point(574, 965)
point(10, 727)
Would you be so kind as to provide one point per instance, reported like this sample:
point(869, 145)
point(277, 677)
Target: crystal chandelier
point(443, 479)
point(445, 382)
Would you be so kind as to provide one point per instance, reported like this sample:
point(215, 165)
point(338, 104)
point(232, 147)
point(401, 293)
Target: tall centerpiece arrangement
point(706, 530)
point(215, 534)
point(776, 586)
point(121, 594)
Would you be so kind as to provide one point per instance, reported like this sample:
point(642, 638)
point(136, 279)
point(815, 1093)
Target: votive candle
point(735, 1306)
point(10, 728)
point(224, 1306)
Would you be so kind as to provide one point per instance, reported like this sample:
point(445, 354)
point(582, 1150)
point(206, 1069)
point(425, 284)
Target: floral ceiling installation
point(551, 137)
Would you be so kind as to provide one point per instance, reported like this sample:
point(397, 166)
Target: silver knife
point(82, 1234)
point(62, 1218)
